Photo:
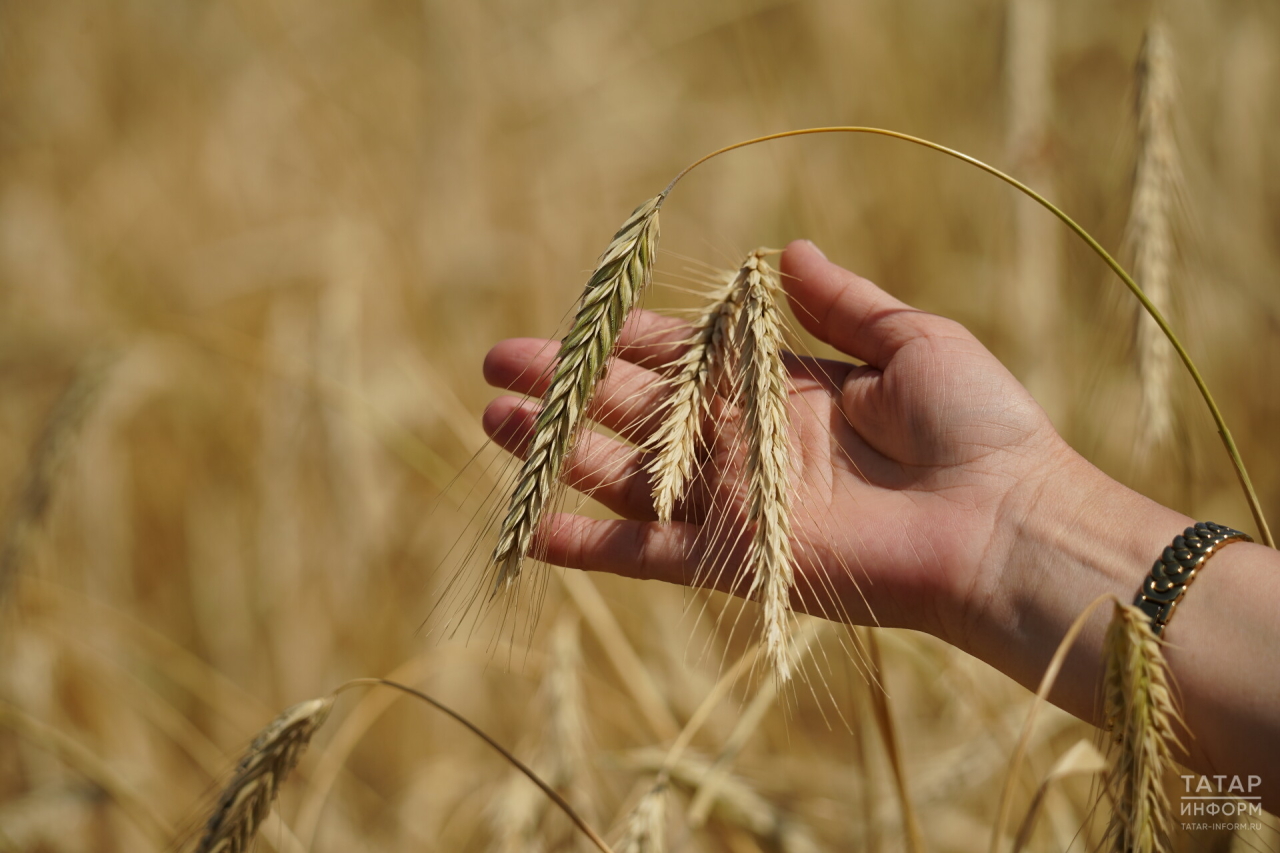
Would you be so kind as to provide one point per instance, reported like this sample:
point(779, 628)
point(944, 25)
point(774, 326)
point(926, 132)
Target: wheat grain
point(764, 389)
point(1140, 713)
point(675, 443)
point(622, 273)
point(1156, 182)
point(247, 799)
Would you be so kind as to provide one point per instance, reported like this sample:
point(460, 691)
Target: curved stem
point(1250, 496)
point(499, 748)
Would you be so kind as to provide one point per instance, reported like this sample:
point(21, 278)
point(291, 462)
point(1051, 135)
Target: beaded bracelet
point(1177, 568)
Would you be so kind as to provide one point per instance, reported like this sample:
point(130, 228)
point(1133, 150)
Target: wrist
point(1062, 539)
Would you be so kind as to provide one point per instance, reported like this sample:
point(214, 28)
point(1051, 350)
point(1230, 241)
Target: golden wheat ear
point(675, 443)
point(1157, 182)
point(247, 799)
point(518, 810)
point(622, 274)
point(646, 830)
point(1141, 716)
point(762, 382)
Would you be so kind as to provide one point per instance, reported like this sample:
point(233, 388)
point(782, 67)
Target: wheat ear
point(675, 444)
point(519, 809)
point(622, 273)
point(763, 384)
point(647, 824)
point(1156, 181)
point(1141, 716)
point(57, 439)
point(247, 799)
point(734, 802)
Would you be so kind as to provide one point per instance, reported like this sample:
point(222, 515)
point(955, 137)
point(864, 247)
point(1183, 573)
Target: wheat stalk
point(675, 443)
point(247, 799)
point(1141, 715)
point(764, 388)
point(622, 273)
point(1156, 182)
point(533, 777)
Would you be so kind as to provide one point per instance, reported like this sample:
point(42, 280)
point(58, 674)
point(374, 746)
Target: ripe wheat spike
point(621, 275)
point(764, 390)
point(247, 799)
point(1141, 716)
point(675, 444)
point(1156, 186)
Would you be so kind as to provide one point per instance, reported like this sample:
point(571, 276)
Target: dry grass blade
point(764, 389)
point(1141, 716)
point(1156, 184)
point(675, 444)
point(623, 272)
point(245, 801)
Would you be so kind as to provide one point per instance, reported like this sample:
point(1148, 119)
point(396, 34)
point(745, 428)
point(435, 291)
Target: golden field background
point(252, 255)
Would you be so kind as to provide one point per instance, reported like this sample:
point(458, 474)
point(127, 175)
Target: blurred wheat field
point(252, 255)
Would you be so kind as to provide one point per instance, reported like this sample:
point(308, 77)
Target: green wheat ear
point(622, 274)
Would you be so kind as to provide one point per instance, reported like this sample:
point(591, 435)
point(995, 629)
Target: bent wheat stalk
point(553, 795)
point(1228, 441)
point(621, 275)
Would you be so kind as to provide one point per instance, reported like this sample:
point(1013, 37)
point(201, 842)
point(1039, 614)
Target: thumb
point(845, 310)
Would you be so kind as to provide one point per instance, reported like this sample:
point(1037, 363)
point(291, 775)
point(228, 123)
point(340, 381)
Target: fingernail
point(814, 246)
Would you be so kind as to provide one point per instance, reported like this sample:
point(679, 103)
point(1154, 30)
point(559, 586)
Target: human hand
point(929, 491)
point(911, 474)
